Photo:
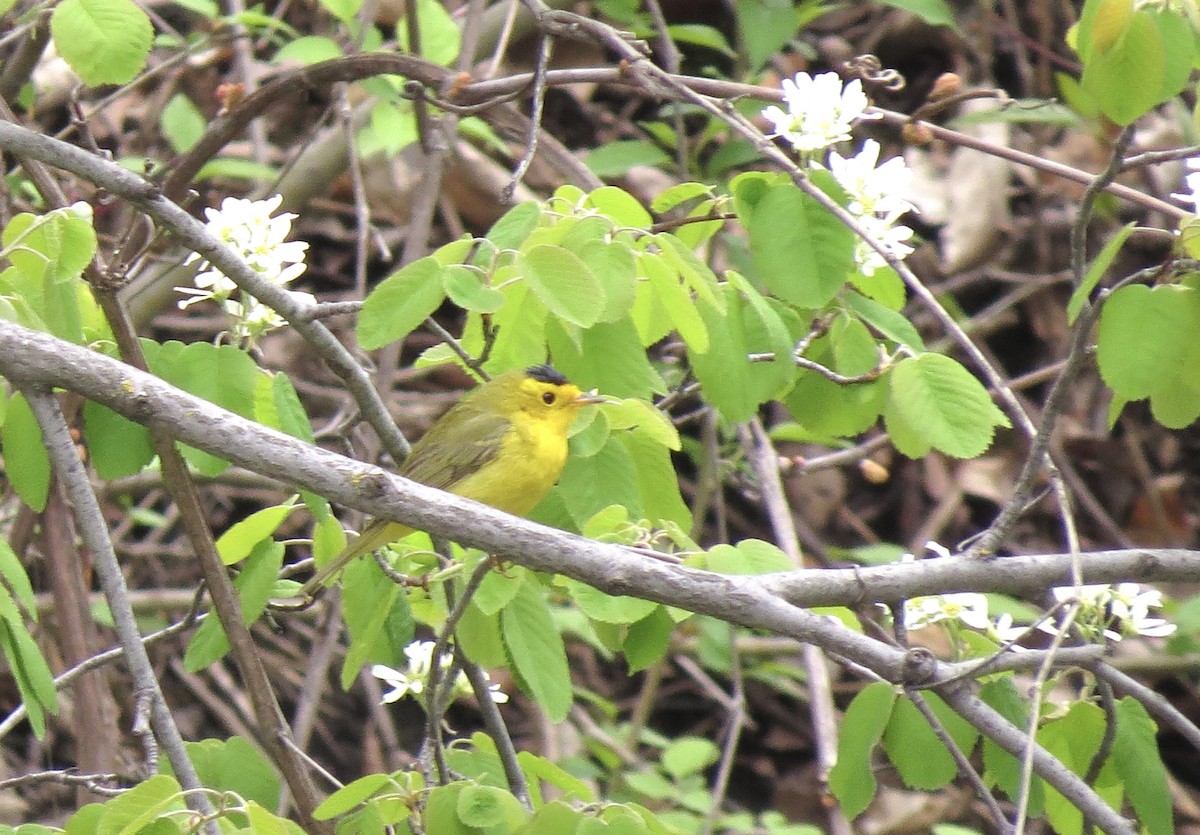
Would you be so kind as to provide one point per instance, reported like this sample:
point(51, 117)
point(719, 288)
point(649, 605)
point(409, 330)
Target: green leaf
point(440, 37)
point(182, 123)
point(608, 358)
point(378, 618)
point(888, 322)
point(352, 794)
point(614, 267)
point(1137, 760)
point(136, 808)
point(1145, 341)
point(622, 207)
point(658, 482)
point(1002, 767)
point(487, 806)
point(118, 446)
point(698, 34)
point(105, 41)
point(689, 755)
point(647, 641)
point(26, 462)
point(667, 305)
point(588, 485)
point(668, 199)
point(933, 12)
point(764, 26)
point(441, 811)
point(605, 607)
point(642, 417)
point(466, 288)
point(614, 159)
point(536, 651)
point(1097, 269)
point(498, 589)
point(400, 303)
point(343, 10)
point(852, 779)
point(943, 405)
point(310, 49)
point(750, 556)
point(235, 765)
point(16, 580)
point(32, 673)
point(802, 253)
point(241, 538)
point(1073, 738)
point(564, 284)
point(1127, 78)
point(254, 585)
point(921, 759)
point(514, 226)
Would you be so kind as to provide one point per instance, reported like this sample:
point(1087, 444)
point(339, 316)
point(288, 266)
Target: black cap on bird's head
point(546, 374)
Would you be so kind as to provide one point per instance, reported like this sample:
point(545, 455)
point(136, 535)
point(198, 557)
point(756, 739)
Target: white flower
point(819, 110)
point(420, 664)
point(1115, 611)
point(248, 228)
point(1003, 631)
point(1193, 184)
point(970, 608)
point(878, 197)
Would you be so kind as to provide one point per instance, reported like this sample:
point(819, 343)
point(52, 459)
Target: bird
point(504, 444)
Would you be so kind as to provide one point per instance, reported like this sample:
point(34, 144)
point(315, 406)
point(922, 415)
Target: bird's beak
point(587, 398)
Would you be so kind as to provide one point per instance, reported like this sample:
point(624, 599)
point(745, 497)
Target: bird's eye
point(548, 398)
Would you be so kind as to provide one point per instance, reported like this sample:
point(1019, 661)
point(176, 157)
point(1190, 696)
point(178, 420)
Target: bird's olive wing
point(461, 443)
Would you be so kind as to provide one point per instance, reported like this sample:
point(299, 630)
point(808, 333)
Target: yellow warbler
point(503, 444)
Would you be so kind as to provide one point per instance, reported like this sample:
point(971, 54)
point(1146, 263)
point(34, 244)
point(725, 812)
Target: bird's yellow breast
point(532, 454)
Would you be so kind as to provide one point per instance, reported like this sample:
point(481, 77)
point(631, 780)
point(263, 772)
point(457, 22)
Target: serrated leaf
point(943, 404)
point(563, 283)
point(1137, 760)
point(802, 253)
point(1145, 342)
point(921, 759)
point(852, 778)
point(400, 303)
point(536, 651)
point(890, 323)
point(673, 299)
point(1127, 79)
point(105, 41)
point(1002, 767)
